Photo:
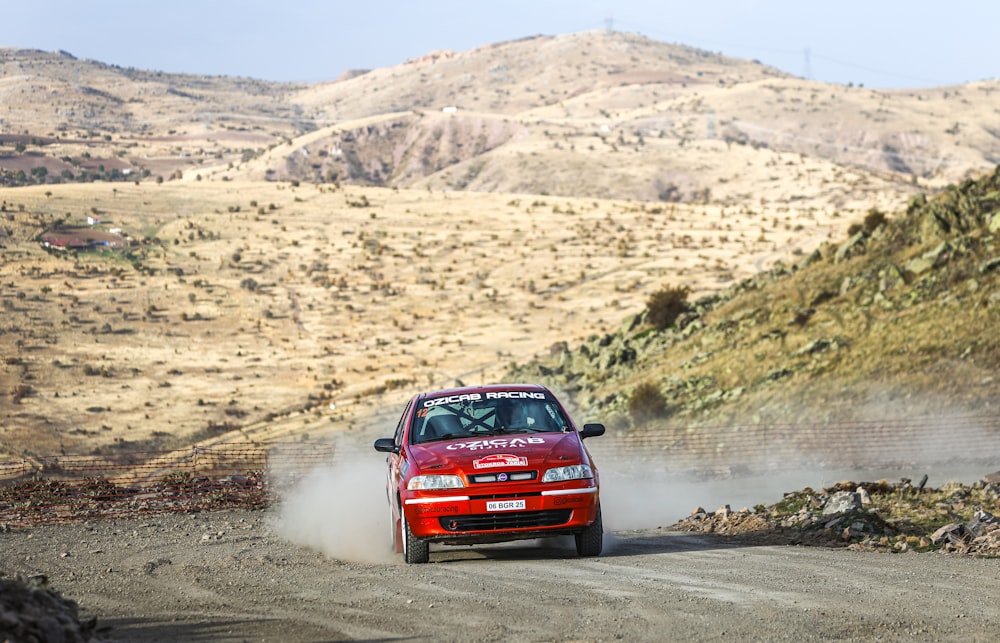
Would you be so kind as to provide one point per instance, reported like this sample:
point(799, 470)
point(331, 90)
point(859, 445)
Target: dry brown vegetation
point(243, 302)
point(595, 114)
point(300, 249)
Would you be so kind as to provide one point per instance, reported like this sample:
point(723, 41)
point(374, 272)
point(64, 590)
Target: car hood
point(499, 452)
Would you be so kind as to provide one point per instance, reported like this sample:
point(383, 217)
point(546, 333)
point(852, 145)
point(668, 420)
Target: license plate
point(504, 505)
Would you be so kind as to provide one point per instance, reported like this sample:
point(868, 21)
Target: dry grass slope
point(301, 250)
point(888, 324)
point(264, 310)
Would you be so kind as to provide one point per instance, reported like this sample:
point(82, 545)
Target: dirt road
point(230, 577)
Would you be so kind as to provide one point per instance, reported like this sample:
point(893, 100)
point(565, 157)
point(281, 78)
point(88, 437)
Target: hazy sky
point(879, 43)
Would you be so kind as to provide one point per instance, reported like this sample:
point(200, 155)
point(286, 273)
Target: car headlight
point(434, 482)
point(575, 472)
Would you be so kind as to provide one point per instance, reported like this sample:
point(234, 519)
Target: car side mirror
point(387, 445)
point(591, 430)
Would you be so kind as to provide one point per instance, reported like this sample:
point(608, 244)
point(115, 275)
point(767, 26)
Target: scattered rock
point(31, 611)
point(929, 260)
point(982, 522)
point(852, 247)
point(953, 533)
point(874, 516)
point(842, 503)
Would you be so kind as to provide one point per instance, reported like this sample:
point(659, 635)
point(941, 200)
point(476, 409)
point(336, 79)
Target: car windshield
point(447, 418)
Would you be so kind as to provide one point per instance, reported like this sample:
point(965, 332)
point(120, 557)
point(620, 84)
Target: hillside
point(593, 114)
point(888, 331)
point(267, 310)
point(210, 286)
point(287, 260)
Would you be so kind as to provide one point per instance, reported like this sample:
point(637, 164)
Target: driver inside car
point(523, 414)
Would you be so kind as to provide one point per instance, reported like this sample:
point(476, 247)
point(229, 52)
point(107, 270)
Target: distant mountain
point(602, 114)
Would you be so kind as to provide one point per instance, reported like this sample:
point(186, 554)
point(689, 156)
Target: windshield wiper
point(522, 429)
point(446, 436)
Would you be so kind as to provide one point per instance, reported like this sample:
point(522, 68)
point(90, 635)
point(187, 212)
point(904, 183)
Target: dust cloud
point(339, 509)
point(633, 500)
point(644, 490)
point(648, 500)
point(889, 436)
point(657, 494)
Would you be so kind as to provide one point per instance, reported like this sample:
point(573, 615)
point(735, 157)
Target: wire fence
point(944, 442)
point(76, 487)
point(238, 475)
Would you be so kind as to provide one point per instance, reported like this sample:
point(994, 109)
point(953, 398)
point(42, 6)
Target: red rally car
point(488, 464)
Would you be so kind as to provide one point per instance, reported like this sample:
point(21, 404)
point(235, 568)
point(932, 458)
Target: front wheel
point(590, 541)
point(415, 551)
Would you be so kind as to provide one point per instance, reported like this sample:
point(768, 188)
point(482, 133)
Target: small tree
point(665, 306)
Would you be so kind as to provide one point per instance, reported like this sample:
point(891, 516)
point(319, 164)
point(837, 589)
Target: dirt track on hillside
point(230, 577)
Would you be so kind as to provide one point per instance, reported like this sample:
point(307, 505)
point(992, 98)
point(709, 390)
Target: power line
point(684, 38)
point(879, 71)
point(809, 54)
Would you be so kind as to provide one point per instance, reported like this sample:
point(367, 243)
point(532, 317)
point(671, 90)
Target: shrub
point(665, 306)
point(874, 220)
point(646, 403)
point(19, 392)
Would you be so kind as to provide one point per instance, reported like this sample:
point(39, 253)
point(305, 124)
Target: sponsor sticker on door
point(505, 505)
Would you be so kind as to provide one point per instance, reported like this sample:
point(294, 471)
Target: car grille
point(512, 520)
point(503, 477)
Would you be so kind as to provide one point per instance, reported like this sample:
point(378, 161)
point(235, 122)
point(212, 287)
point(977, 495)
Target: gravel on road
point(230, 576)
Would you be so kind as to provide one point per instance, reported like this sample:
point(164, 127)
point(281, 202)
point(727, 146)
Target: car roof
point(486, 388)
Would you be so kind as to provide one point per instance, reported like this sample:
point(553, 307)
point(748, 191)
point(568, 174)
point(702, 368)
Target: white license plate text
point(504, 505)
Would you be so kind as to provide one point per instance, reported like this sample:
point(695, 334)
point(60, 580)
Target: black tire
point(415, 551)
point(590, 541)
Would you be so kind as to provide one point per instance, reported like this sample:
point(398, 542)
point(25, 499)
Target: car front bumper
point(487, 515)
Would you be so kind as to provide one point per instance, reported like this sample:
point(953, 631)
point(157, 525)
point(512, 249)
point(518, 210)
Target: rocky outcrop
point(933, 265)
point(960, 210)
point(874, 516)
